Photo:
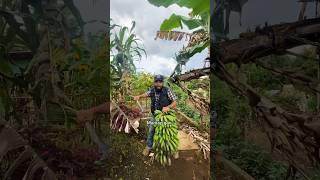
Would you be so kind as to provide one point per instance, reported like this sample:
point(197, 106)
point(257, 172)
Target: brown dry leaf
point(172, 35)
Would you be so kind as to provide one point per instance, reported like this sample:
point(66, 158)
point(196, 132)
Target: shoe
point(146, 151)
point(176, 155)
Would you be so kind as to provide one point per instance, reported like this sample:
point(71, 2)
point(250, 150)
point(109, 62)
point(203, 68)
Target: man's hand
point(84, 116)
point(165, 109)
point(136, 98)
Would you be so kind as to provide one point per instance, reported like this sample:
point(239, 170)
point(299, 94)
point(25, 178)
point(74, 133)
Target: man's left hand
point(165, 109)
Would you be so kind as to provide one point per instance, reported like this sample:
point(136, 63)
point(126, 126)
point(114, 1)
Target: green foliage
point(315, 173)
point(223, 100)
point(185, 55)
point(198, 7)
point(233, 115)
point(140, 83)
point(22, 25)
point(191, 113)
point(249, 157)
point(259, 77)
point(86, 69)
point(177, 21)
point(84, 72)
point(181, 104)
point(125, 49)
point(26, 26)
point(264, 79)
point(312, 104)
point(255, 161)
point(199, 16)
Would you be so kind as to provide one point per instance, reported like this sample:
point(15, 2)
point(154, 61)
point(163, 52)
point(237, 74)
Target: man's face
point(158, 84)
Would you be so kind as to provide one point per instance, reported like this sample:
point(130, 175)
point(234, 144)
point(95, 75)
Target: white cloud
point(156, 65)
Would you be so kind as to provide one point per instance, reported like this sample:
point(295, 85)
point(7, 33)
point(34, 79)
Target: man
point(163, 99)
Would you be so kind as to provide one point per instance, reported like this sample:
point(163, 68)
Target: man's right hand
point(136, 98)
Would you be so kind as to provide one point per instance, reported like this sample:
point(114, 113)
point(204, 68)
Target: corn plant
point(125, 50)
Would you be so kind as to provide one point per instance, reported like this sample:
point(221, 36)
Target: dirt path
point(128, 162)
point(189, 165)
point(185, 142)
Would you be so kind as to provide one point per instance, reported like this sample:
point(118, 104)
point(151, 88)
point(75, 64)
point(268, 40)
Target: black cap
point(158, 78)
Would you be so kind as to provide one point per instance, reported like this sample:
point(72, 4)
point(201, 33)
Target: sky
point(160, 53)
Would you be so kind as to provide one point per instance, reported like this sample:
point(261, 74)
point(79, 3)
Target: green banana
point(166, 136)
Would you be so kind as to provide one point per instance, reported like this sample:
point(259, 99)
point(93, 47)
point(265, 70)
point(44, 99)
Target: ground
point(71, 154)
point(129, 163)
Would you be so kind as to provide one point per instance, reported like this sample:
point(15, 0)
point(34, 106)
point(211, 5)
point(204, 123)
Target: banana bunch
point(165, 140)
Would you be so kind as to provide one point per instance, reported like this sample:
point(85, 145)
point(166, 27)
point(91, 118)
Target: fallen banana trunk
point(10, 141)
point(193, 74)
point(198, 138)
